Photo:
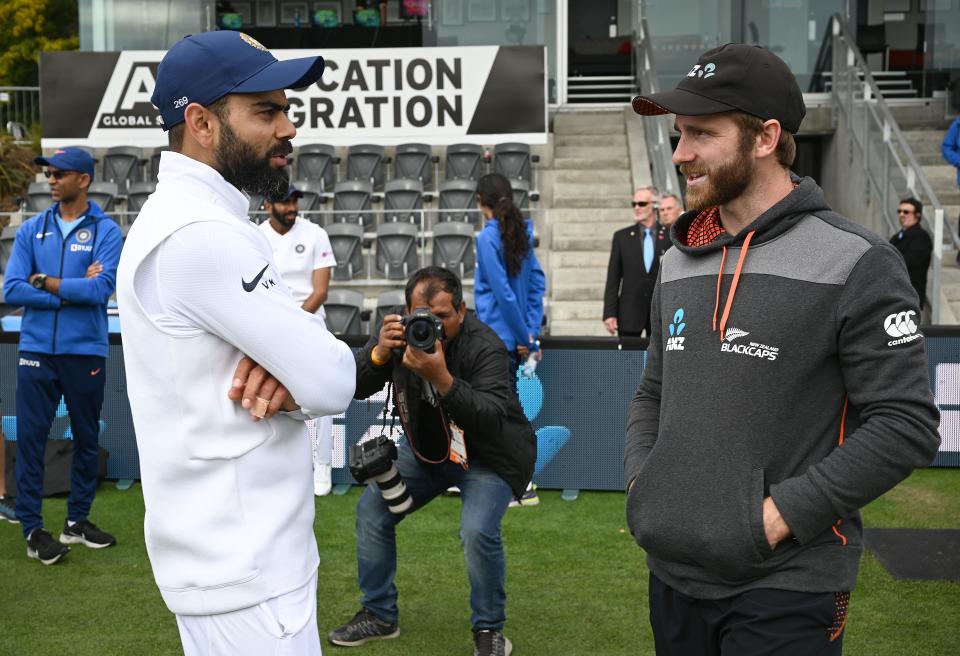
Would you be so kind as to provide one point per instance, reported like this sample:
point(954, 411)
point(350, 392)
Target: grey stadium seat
point(521, 193)
point(402, 200)
point(391, 301)
point(311, 192)
point(137, 195)
point(396, 250)
point(155, 162)
point(463, 162)
point(471, 303)
point(458, 201)
point(103, 194)
point(343, 308)
point(123, 165)
point(414, 161)
point(317, 162)
point(352, 201)
point(38, 197)
point(367, 162)
point(512, 160)
point(346, 240)
point(256, 212)
point(454, 247)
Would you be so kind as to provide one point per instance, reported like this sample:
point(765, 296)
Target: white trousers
point(282, 626)
point(321, 439)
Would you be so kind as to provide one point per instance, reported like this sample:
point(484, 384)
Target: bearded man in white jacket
point(226, 469)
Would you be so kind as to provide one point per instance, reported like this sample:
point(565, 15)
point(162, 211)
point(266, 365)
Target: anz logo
point(675, 341)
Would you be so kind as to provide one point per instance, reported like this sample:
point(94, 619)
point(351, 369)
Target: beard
point(241, 166)
point(284, 218)
point(724, 182)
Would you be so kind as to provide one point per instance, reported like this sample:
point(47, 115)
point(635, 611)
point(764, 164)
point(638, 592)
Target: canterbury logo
point(734, 333)
point(707, 71)
point(900, 324)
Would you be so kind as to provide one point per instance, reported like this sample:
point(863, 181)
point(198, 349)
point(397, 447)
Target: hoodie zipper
point(56, 316)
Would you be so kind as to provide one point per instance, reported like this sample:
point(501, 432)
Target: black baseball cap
point(733, 77)
point(203, 68)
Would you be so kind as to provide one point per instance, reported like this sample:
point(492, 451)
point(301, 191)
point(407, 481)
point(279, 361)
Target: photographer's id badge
point(458, 446)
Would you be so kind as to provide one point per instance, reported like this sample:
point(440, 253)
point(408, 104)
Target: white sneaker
point(322, 479)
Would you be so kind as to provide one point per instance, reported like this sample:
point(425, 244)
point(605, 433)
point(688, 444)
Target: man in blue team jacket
point(950, 149)
point(62, 270)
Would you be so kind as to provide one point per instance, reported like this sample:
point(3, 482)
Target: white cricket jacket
point(229, 501)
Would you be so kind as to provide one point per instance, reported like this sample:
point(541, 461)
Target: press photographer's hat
point(733, 77)
point(202, 68)
point(69, 159)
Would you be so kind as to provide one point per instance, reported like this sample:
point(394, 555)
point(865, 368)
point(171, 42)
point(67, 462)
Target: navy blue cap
point(69, 159)
point(202, 68)
point(291, 193)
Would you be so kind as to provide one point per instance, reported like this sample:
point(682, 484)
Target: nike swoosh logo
point(250, 286)
point(95, 372)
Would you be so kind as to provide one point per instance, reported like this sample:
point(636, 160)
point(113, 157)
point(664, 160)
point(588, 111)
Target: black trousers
point(762, 622)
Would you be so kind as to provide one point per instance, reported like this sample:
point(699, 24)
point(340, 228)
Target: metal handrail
point(656, 129)
point(854, 88)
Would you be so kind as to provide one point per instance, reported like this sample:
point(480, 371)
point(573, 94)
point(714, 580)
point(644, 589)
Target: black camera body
point(373, 461)
point(422, 329)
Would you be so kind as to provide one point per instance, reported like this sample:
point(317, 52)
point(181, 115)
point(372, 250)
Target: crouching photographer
point(463, 426)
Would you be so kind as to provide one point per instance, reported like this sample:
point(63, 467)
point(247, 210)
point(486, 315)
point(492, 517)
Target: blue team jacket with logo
point(75, 321)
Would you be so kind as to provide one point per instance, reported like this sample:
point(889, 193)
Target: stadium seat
point(312, 192)
point(103, 194)
point(155, 162)
point(471, 303)
point(346, 240)
point(367, 162)
point(453, 247)
point(352, 201)
point(317, 162)
point(458, 201)
point(396, 250)
point(521, 194)
point(343, 308)
point(401, 201)
point(414, 161)
point(38, 198)
point(7, 237)
point(256, 212)
point(123, 165)
point(512, 160)
point(463, 162)
point(136, 196)
point(391, 301)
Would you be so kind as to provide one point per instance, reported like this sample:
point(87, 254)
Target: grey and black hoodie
point(784, 361)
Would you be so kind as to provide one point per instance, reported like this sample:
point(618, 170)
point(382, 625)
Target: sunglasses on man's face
point(904, 211)
point(56, 175)
point(640, 203)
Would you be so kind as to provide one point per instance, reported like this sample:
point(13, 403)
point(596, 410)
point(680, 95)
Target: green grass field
point(576, 582)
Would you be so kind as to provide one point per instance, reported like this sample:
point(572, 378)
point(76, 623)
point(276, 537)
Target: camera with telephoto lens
point(373, 460)
point(422, 329)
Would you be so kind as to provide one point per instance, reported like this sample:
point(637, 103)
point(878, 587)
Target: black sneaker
point(87, 534)
point(363, 627)
point(491, 643)
point(8, 509)
point(42, 546)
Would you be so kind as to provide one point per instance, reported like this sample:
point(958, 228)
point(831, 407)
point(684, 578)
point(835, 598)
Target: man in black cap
point(766, 417)
point(229, 503)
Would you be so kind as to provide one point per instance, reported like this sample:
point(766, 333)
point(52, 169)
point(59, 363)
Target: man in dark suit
point(634, 262)
point(914, 244)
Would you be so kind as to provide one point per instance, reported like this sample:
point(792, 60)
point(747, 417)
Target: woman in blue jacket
point(509, 283)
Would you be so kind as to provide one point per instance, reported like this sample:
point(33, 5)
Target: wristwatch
point(40, 280)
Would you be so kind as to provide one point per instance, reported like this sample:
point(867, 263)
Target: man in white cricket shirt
point(304, 257)
point(229, 508)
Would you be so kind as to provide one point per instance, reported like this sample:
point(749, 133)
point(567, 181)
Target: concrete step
point(585, 229)
point(941, 174)
point(571, 259)
point(577, 292)
point(620, 216)
point(583, 275)
point(591, 189)
point(594, 176)
point(595, 140)
point(576, 310)
point(580, 244)
point(579, 328)
point(587, 122)
point(589, 163)
point(592, 152)
point(564, 199)
point(923, 137)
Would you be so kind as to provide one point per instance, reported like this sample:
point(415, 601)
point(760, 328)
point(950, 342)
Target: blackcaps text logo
point(902, 327)
point(675, 341)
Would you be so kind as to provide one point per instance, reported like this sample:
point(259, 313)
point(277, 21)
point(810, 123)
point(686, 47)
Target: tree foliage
point(29, 27)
